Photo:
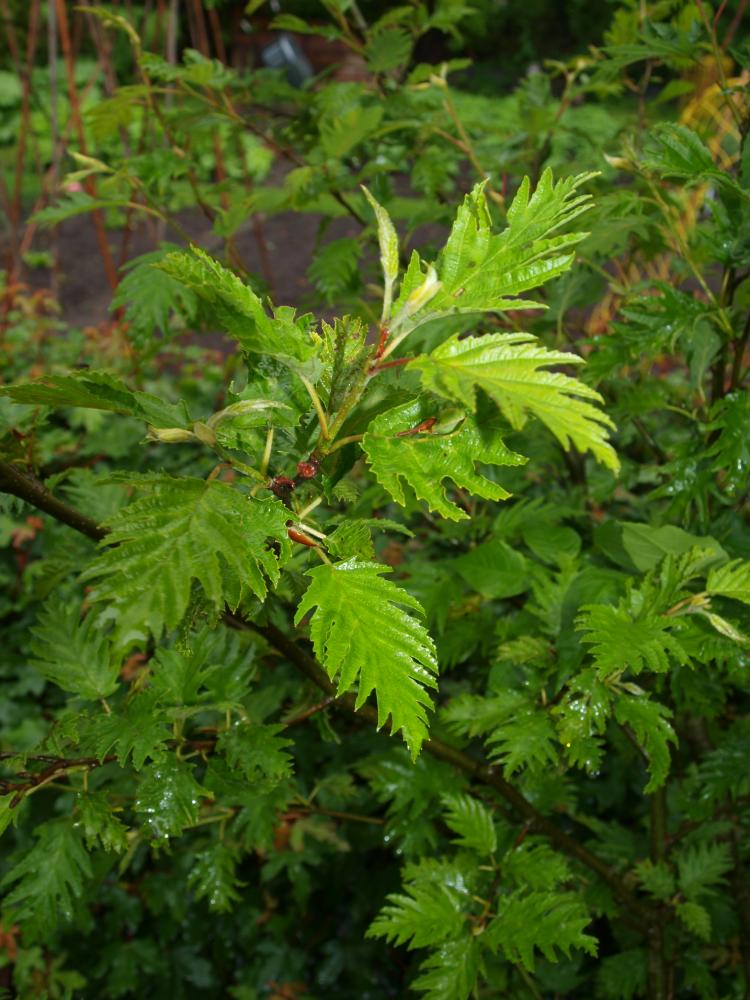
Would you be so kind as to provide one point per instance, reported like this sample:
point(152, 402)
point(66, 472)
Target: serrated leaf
point(701, 869)
point(150, 297)
point(236, 307)
point(730, 580)
point(74, 654)
point(180, 530)
point(730, 450)
point(450, 972)
point(335, 267)
point(49, 880)
point(549, 922)
point(510, 368)
point(619, 641)
point(99, 391)
point(624, 976)
point(78, 203)
point(425, 459)
point(696, 918)
point(255, 750)
point(168, 797)
point(429, 915)
point(472, 821)
point(388, 49)
point(478, 270)
point(213, 877)
point(99, 825)
point(527, 739)
point(648, 721)
point(138, 731)
point(388, 241)
point(361, 633)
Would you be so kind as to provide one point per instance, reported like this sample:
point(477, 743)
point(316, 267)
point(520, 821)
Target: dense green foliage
point(403, 652)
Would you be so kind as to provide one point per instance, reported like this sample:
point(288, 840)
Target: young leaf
point(388, 240)
point(450, 972)
point(150, 297)
point(619, 641)
point(139, 731)
point(472, 821)
point(49, 879)
point(180, 530)
point(76, 655)
point(258, 751)
point(479, 270)
point(730, 580)
point(100, 826)
point(99, 391)
point(360, 633)
point(235, 305)
point(430, 914)
point(448, 447)
point(540, 921)
point(213, 877)
point(648, 721)
point(168, 797)
point(509, 367)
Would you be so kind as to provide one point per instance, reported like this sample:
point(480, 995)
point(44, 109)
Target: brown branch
point(33, 491)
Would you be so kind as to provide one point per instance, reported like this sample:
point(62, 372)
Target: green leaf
point(213, 877)
point(99, 391)
point(180, 530)
point(49, 880)
point(335, 268)
point(78, 203)
point(494, 569)
point(619, 641)
point(730, 580)
point(431, 914)
point(235, 306)
point(361, 632)
point(540, 921)
point(731, 448)
point(648, 721)
point(701, 869)
point(647, 545)
point(472, 821)
point(150, 297)
point(76, 655)
point(526, 739)
point(388, 49)
point(478, 270)
point(101, 828)
point(255, 750)
point(341, 129)
point(657, 879)
point(168, 798)
point(450, 972)
point(388, 240)
point(509, 367)
point(674, 150)
point(696, 918)
point(138, 731)
point(623, 976)
point(449, 447)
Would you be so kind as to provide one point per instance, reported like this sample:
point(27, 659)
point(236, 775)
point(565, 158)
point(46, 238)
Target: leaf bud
point(170, 435)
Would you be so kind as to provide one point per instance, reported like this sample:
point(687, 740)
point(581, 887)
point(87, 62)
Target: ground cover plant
point(397, 643)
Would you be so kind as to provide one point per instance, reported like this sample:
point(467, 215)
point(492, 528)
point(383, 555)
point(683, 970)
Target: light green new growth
point(360, 634)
